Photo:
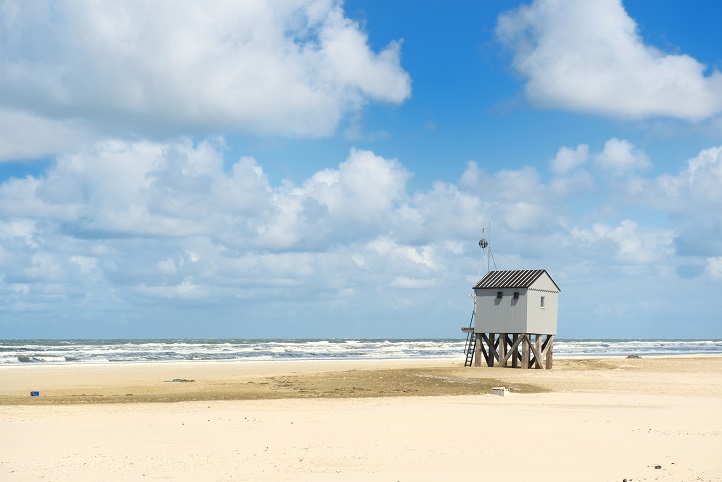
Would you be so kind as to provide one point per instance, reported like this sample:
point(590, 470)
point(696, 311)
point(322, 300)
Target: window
point(499, 294)
point(542, 302)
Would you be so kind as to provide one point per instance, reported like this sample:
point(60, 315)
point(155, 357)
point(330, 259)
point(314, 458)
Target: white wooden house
point(515, 319)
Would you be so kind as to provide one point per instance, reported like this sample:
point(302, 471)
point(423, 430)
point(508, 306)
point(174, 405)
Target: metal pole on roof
point(488, 249)
point(486, 244)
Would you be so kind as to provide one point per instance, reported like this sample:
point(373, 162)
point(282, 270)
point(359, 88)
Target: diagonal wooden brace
point(512, 349)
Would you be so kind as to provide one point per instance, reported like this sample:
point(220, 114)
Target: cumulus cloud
point(632, 243)
point(151, 220)
point(692, 198)
point(291, 68)
point(589, 57)
point(620, 157)
point(569, 159)
point(132, 227)
point(517, 198)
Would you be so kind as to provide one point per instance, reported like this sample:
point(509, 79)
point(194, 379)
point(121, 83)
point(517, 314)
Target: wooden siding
point(505, 315)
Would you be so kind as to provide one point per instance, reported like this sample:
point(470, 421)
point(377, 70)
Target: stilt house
point(514, 320)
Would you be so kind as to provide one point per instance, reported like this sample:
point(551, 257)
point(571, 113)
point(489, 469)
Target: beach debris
point(501, 391)
point(34, 394)
point(179, 380)
point(633, 356)
point(657, 466)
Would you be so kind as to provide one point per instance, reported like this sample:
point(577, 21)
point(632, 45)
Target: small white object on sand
point(501, 391)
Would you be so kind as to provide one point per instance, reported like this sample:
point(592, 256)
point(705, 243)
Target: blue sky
point(324, 169)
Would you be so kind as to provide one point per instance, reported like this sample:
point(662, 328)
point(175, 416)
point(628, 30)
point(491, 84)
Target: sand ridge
point(138, 383)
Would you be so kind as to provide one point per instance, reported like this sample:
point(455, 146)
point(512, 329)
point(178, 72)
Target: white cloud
point(695, 189)
point(412, 283)
point(26, 136)
point(578, 182)
point(350, 203)
point(621, 157)
point(148, 227)
point(445, 211)
point(569, 159)
point(588, 56)
point(294, 68)
point(395, 252)
point(714, 268)
point(633, 244)
point(516, 199)
point(692, 198)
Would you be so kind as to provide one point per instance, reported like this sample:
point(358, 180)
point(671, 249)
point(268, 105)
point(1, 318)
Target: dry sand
point(585, 420)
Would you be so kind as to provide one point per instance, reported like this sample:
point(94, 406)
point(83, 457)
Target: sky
point(325, 169)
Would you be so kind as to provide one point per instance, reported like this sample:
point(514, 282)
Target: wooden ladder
point(470, 344)
point(470, 348)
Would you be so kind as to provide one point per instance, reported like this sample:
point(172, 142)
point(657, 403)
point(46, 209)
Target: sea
point(54, 352)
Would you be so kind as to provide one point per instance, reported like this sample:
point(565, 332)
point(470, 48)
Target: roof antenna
point(484, 244)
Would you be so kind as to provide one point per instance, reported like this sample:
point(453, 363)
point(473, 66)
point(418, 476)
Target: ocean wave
point(13, 352)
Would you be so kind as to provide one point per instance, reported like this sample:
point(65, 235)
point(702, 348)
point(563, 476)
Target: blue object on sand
point(34, 394)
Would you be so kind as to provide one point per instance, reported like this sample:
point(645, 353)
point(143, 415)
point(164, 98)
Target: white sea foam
point(110, 351)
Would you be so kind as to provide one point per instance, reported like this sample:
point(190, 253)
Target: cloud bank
point(292, 68)
point(130, 228)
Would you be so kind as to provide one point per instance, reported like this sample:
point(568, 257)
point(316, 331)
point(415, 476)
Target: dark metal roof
point(521, 278)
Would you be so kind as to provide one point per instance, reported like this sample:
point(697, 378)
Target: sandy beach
point(591, 420)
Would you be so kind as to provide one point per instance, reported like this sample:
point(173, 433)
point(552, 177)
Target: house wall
point(505, 315)
point(542, 320)
point(525, 315)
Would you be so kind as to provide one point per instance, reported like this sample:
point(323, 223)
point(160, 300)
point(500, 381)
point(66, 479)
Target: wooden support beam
point(512, 351)
point(477, 352)
point(515, 350)
point(484, 340)
point(493, 355)
point(550, 351)
point(545, 344)
point(525, 343)
point(536, 348)
point(502, 349)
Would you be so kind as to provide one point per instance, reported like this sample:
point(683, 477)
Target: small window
point(499, 294)
point(516, 295)
point(542, 302)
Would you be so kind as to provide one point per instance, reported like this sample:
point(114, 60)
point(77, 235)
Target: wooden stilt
point(536, 351)
point(492, 349)
point(502, 349)
point(485, 339)
point(550, 351)
point(515, 350)
point(477, 352)
point(525, 343)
